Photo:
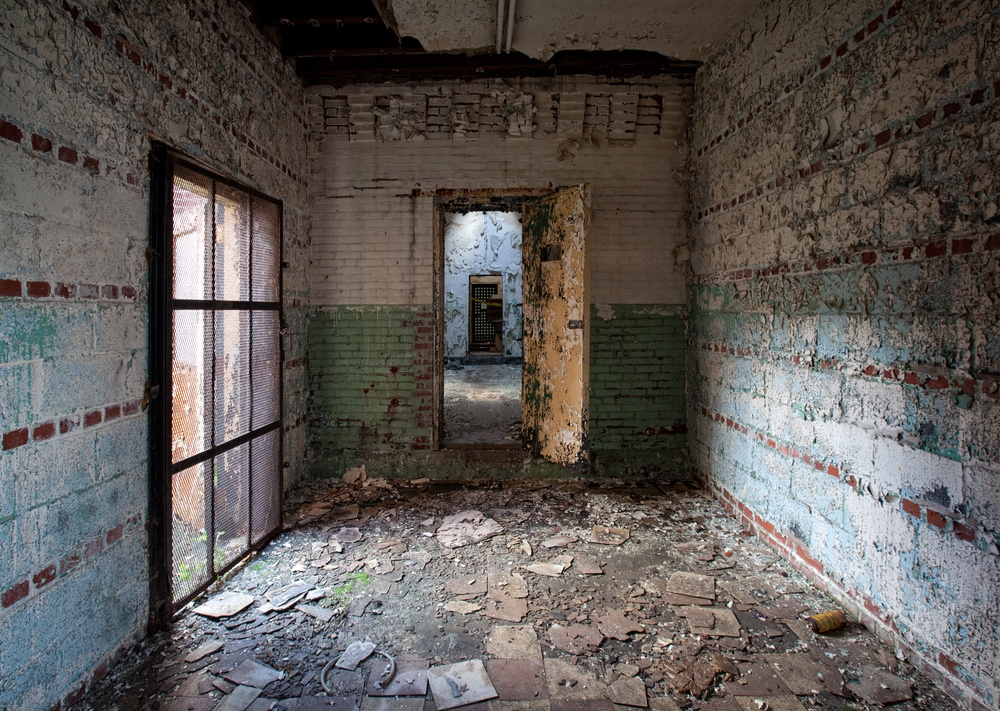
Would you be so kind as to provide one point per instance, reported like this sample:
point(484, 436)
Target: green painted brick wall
point(371, 374)
point(637, 377)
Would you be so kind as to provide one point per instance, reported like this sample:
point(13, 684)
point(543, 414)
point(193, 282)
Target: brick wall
point(84, 86)
point(389, 149)
point(843, 369)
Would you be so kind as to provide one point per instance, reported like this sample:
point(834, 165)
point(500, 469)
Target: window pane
point(190, 550)
point(265, 367)
point(265, 250)
point(192, 238)
point(232, 244)
point(232, 375)
point(191, 401)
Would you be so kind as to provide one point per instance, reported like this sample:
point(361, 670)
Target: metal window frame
point(162, 161)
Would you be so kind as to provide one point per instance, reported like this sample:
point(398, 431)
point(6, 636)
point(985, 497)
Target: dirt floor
point(482, 404)
point(677, 609)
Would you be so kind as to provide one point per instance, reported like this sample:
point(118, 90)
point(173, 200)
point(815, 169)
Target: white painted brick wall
point(372, 227)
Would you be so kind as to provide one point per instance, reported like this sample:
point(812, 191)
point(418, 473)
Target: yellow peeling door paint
point(556, 286)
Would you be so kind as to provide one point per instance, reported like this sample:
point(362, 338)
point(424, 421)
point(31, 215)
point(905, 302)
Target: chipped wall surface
point(675, 28)
point(85, 86)
point(843, 368)
point(555, 386)
point(374, 189)
point(481, 243)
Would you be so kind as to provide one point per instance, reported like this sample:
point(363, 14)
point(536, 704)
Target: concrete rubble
point(675, 608)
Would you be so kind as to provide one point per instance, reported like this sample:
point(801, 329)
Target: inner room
point(500, 354)
point(482, 329)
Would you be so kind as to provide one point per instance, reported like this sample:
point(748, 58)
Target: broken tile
point(726, 624)
point(506, 608)
point(509, 585)
point(581, 705)
point(204, 649)
point(410, 679)
point(461, 607)
point(535, 705)
point(757, 679)
point(569, 681)
point(517, 679)
point(467, 585)
point(609, 536)
point(190, 703)
point(614, 624)
point(508, 642)
point(880, 687)
point(663, 704)
point(460, 684)
point(575, 639)
point(322, 614)
point(629, 692)
point(239, 700)
point(285, 597)
point(253, 673)
point(262, 704)
point(224, 604)
point(355, 653)
point(586, 565)
point(700, 618)
point(551, 570)
point(560, 541)
point(692, 584)
point(800, 672)
point(466, 528)
point(770, 703)
point(349, 534)
point(388, 703)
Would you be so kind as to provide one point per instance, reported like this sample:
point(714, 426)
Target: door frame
point(158, 388)
point(462, 200)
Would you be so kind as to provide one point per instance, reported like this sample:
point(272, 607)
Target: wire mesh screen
point(231, 495)
point(192, 238)
point(232, 244)
point(232, 375)
point(191, 371)
point(226, 377)
point(189, 524)
point(265, 503)
point(265, 251)
point(265, 371)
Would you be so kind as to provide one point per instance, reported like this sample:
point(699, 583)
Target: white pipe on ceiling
point(500, 23)
point(511, 4)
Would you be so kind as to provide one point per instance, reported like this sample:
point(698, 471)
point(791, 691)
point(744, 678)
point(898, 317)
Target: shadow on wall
point(481, 243)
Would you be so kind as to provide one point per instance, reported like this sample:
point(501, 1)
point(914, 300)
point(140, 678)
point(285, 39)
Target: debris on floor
point(546, 596)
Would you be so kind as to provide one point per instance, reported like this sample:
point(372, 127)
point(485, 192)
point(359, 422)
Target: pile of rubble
point(553, 596)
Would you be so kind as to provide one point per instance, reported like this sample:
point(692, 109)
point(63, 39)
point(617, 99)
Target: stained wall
point(843, 365)
point(84, 89)
point(478, 244)
point(390, 150)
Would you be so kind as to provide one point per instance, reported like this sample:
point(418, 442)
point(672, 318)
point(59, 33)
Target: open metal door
point(556, 285)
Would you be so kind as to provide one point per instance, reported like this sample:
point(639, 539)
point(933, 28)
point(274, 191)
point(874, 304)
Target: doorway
point(553, 345)
point(482, 329)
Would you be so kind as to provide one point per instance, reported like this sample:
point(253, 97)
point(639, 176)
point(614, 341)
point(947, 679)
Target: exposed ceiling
point(344, 40)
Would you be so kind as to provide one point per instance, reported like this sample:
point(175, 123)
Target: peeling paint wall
point(85, 85)
point(556, 384)
point(374, 189)
point(843, 368)
point(481, 243)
